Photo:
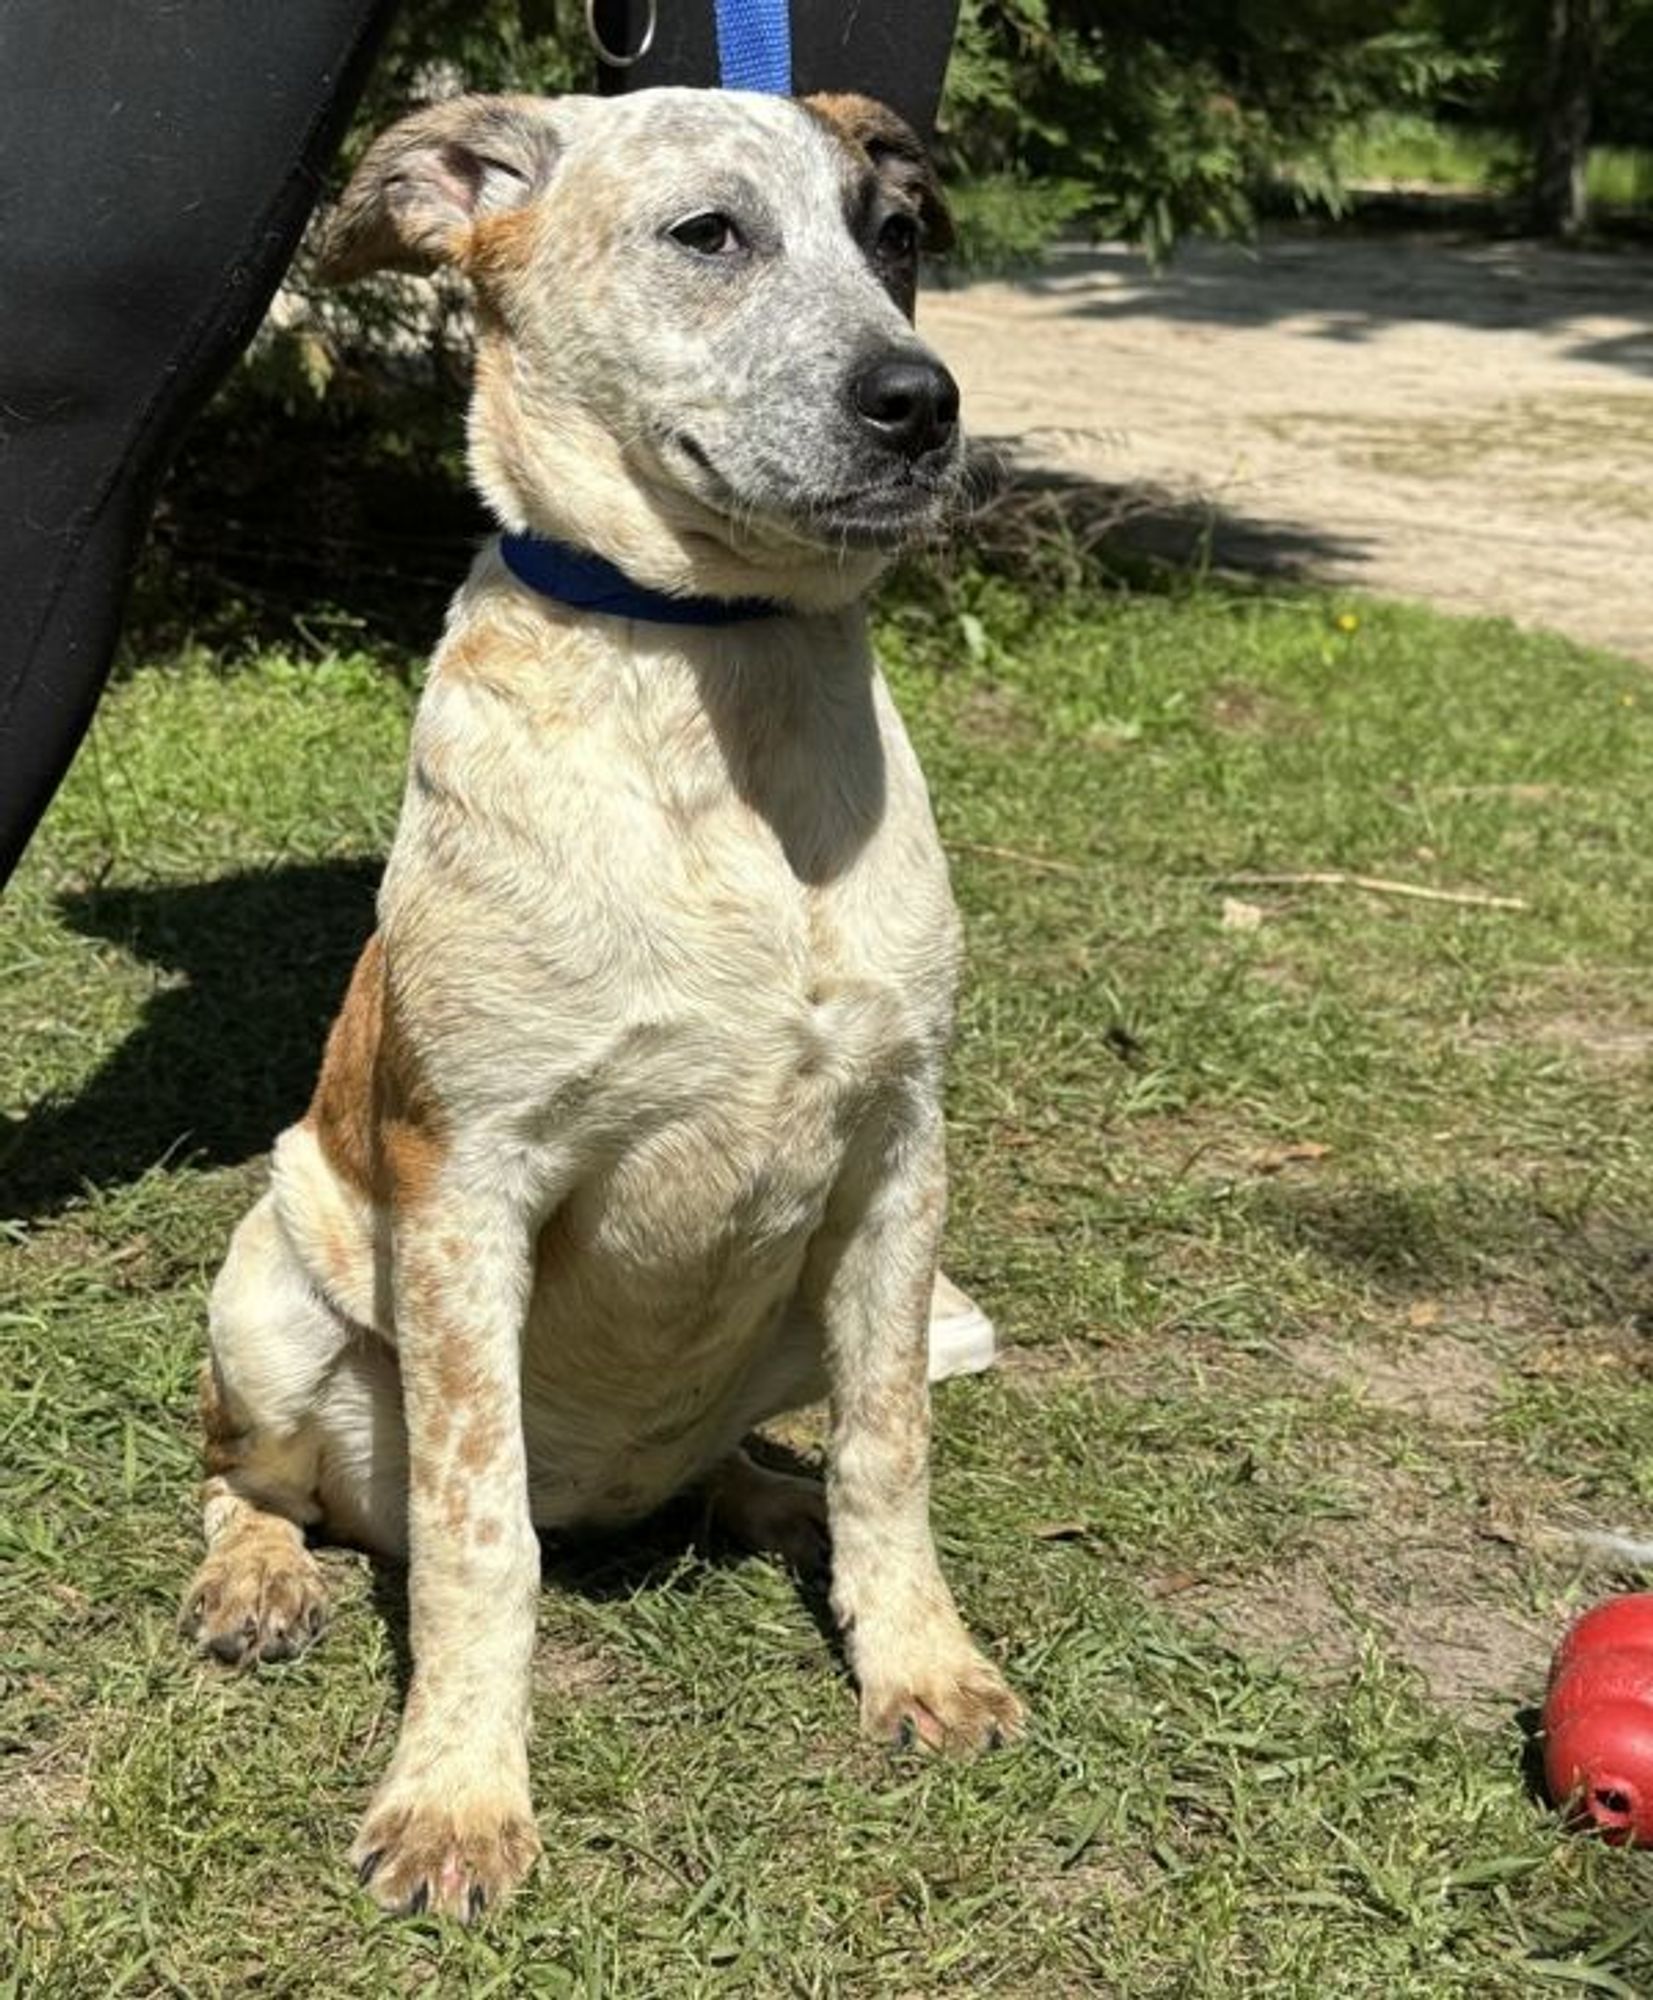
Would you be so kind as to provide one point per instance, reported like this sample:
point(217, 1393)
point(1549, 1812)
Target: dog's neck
point(589, 582)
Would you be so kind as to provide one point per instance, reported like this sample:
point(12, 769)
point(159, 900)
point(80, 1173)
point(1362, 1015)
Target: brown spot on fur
point(341, 1109)
point(471, 654)
point(456, 1506)
point(480, 1443)
point(872, 132)
point(457, 1377)
point(500, 247)
point(224, 1444)
point(374, 1117)
point(485, 656)
point(488, 1532)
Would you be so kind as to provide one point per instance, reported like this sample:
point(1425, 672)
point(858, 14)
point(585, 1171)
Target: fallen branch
point(1015, 854)
point(1376, 885)
point(1611, 1544)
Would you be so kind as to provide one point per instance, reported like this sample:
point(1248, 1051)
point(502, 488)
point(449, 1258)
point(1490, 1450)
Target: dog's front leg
point(918, 1669)
point(451, 1826)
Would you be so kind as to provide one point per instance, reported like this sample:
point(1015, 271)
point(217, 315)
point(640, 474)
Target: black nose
point(907, 402)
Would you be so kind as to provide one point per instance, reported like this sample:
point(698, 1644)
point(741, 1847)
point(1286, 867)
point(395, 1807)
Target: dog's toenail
point(477, 1901)
point(367, 1864)
point(419, 1901)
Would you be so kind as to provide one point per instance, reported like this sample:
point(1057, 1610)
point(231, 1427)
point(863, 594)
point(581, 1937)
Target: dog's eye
point(898, 236)
point(709, 235)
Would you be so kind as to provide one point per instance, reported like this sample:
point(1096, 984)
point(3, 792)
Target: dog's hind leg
point(780, 1513)
point(760, 1506)
point(274, 1342)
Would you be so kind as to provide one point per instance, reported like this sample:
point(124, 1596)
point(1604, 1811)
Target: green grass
point(1321, 1246)
point(1409, 149)
point(1621, 175)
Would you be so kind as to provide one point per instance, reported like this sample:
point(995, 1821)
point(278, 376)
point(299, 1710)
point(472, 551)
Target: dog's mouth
point(907, 502)
point(878, 517)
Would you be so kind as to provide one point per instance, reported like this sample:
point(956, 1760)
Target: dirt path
point(1465, 422)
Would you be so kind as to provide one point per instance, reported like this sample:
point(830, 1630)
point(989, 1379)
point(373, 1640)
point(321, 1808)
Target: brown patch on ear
point(373, 1114)
point(422, 187)
point(896, 153)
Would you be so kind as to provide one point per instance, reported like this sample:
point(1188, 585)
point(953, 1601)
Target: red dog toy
point(1598, 1720)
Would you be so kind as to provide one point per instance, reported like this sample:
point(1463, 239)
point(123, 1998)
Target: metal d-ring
point(607, 55)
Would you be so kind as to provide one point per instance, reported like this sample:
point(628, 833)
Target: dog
point(629, 1133)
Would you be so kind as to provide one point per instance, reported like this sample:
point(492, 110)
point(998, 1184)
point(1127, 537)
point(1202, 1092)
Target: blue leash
point(754, 45)
point(754, 52)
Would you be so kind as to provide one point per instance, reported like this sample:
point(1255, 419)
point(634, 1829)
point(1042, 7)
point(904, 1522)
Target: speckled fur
point(629, 1134)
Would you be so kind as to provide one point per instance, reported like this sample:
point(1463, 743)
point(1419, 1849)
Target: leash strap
point(592, 583)
point(754, 45)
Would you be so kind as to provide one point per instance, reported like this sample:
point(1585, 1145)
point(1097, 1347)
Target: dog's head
point(695, 349)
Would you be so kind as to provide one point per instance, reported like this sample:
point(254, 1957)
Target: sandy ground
point(1466, 422)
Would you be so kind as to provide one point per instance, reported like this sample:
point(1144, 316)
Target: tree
point(1150, 119)
point(1576, 30)
point(1560, 75)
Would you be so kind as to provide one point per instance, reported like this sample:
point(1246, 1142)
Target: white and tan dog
point(629, 1133)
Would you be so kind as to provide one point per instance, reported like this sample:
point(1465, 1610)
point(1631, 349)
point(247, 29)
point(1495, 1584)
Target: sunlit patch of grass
point(1406, 149)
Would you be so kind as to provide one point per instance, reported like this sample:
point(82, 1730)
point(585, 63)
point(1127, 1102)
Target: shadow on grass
point(1408, 1241)
point(223, 1058)
point(1048, 525)
point(1529, 1722)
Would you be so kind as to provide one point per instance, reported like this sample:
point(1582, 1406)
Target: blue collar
point(591, 583)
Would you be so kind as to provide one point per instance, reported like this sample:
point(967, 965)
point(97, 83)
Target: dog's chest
point(772, 1019)
point(719, 902)
point(758, 964)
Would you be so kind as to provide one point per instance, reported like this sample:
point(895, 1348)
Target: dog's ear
point(897, 154)
point(422, 187)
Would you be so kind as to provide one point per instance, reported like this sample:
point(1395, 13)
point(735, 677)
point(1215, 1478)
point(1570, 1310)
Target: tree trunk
point(1560, 204)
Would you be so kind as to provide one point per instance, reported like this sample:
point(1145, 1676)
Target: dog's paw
point(255, 1598)
point(427, 1848)
point(959, 1705)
